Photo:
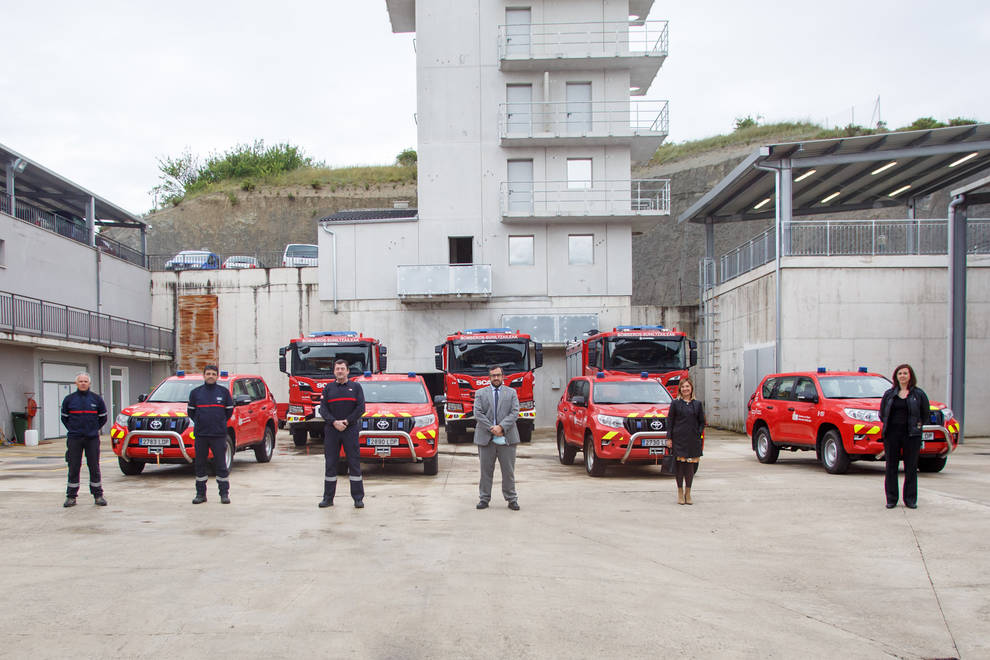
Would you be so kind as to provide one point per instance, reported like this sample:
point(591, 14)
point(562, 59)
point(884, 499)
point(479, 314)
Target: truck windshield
point(853, 387)
point(477, 357)
point(176, 391)
point(634, 391)
point(652, 354)
point(317, 359)
point(394, 392)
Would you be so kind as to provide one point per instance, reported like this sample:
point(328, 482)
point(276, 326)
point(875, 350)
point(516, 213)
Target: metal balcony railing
point(41, 318)
point(444, 281)
point(69, 229)
point(626, 197)
point(753, 253)
point(589, 39)
point(626, 118)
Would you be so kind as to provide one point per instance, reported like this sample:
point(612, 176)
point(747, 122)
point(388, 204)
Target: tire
point(455, 433)
point(834, 456)
point(565, 452)
point(928, 464)
point(299, 437)
point(592, 464)
point(264, 450)
point(431, 465)
point(130, 468)
point(766, 451)
point(525, 433)
point(229, 454)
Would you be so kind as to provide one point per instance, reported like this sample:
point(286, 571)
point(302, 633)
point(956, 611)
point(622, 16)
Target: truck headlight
point(122, 419)
point(527, 405)
point(610, 420)
point(946, 414)
point(424, 420)
point(455, 407)
point(295, 410)
point(862, 414)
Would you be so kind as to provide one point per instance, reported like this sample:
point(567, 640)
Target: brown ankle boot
point(680, 495)
point(687, 496)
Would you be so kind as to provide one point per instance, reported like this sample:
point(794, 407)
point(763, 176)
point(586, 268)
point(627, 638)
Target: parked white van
point(298, 255)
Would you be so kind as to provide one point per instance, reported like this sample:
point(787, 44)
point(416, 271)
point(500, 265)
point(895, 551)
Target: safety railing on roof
point(586, 39)
point(751, 254)
point(69, 229)
point(42, 318)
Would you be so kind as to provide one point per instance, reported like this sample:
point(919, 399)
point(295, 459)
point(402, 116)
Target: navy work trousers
point(332, 440)
point(218, 445)
point(76, 446)
point(895, 449)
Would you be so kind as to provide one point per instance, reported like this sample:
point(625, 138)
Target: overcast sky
point(97, 91)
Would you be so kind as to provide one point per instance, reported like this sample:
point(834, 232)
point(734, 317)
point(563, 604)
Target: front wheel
point(525, 433)
point(299, 437)
point(592, 464)
point(431, 465)
point(565, 452)
point(766, 451)
point(930, 464)
point(834, 456)
point(264, 451)
point(130, 468)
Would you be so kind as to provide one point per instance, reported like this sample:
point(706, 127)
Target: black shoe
point(224, 499)
point(69, 501)
point(891, 506)
point(324, 503)
point(514, 505)
point(99, 500)
point(358, 504)
point(482, 505)
point(199, 499)
point(911, 506)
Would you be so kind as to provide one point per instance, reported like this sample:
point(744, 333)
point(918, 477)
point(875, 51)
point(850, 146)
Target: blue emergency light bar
point(482, 331)
point(180, 373)
point(863, 370)
point(821, 370)
point(367, 374)
point(334, 333)
point(600, 374)
point(644, 374)
point(639, 327)
point(224, 374)
point(411, 374)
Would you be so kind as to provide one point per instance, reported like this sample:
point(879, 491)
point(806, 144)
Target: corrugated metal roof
point(353, 215)
point(871, 171)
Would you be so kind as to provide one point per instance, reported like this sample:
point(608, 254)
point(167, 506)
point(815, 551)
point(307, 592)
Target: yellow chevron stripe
point(609, 435)
point(402, 414)
point(873, 431)
point(420, 436)
point(858, 427)
point(432, 433)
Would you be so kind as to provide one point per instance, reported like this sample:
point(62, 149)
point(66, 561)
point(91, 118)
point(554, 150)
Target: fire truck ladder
point(709, 342)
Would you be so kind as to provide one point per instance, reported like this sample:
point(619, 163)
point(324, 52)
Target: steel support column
point(957, 310)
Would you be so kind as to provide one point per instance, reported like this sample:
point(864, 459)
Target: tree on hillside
point(407, 158)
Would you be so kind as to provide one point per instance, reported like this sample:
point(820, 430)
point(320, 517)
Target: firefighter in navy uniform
point(342, 406)
point(83, 415)
point(210, 406)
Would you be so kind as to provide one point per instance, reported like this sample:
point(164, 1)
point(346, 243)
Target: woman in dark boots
point(685, 424)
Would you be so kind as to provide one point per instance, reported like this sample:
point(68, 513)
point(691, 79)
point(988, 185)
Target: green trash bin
point(20, 420)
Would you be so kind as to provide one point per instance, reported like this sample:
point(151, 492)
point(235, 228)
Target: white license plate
point(383, 451)
point(653, 442)
point(383, 442)
point(927, 436)
point(154, 442)
point(155, 450)
point(657, 451)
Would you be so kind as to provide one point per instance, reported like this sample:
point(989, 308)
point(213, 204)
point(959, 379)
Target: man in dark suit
point(496, 409)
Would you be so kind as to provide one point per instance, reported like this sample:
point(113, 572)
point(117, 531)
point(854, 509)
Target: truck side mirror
point(578, 400)
point(281, 364)
point(142, 397)
point(438, 356)
point(539, 355)
point(439, 400)
point(382, 362)
point(692, 344)
point(242, 399)
point(693, 357)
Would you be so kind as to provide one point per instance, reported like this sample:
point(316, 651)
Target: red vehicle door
point(245, 430)
point(778, 416)
point(802, 418)
point(580, 416)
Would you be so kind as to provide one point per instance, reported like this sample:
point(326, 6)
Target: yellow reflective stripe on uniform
point(609, 435)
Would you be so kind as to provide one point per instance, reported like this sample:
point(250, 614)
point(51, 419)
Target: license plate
point(383, 451)
point(155, 450)
point(653, 442)
point(927, 436)
point(154, 442)
point(383, 442)
point(657, 451)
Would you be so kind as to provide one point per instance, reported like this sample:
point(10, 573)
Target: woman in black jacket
point(904, 409)
point(686, 422)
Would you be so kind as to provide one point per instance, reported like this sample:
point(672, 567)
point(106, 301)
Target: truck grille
point(645, 424)
point(177, 424)
point(394, 424)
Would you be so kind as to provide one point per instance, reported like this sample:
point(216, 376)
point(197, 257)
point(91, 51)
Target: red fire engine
point(634, 349)
point(308, 361)
point(465, 358)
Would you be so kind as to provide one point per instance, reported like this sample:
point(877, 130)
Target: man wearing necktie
point(496, 409)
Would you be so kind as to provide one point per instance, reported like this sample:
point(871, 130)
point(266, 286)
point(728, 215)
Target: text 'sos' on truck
point(308, 361)
point(465, 358)
point(661, 353)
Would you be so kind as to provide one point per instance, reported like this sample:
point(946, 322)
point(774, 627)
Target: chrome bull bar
point(635, 436)
point(157, 434)
point(392, 434)
point(948, 438)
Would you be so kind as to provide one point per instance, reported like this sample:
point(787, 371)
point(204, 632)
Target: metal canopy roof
point(871, 171)
point(48, 191)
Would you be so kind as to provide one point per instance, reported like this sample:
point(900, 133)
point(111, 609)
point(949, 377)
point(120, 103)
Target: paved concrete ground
point(772, 561)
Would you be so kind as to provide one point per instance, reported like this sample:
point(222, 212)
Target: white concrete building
point(527, 133)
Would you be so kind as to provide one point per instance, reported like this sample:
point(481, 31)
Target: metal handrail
point(628, 197)
point(623, 118)
point(583, 39)
point(33, 316)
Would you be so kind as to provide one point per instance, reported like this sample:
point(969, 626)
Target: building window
point(3, 253)
point(521, 250)
point(461, 249)
point(579, 174)
point(580, 249)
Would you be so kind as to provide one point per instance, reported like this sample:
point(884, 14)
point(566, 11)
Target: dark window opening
point(461, 248)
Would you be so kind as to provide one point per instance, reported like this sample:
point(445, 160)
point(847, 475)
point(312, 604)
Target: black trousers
point(76, 446)
point(218, 445)
point(906, 448)
point(332, 440)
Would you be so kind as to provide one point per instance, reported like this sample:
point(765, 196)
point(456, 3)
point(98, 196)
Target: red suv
point(836, 414)
point(158, 430)
point(612, 419)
